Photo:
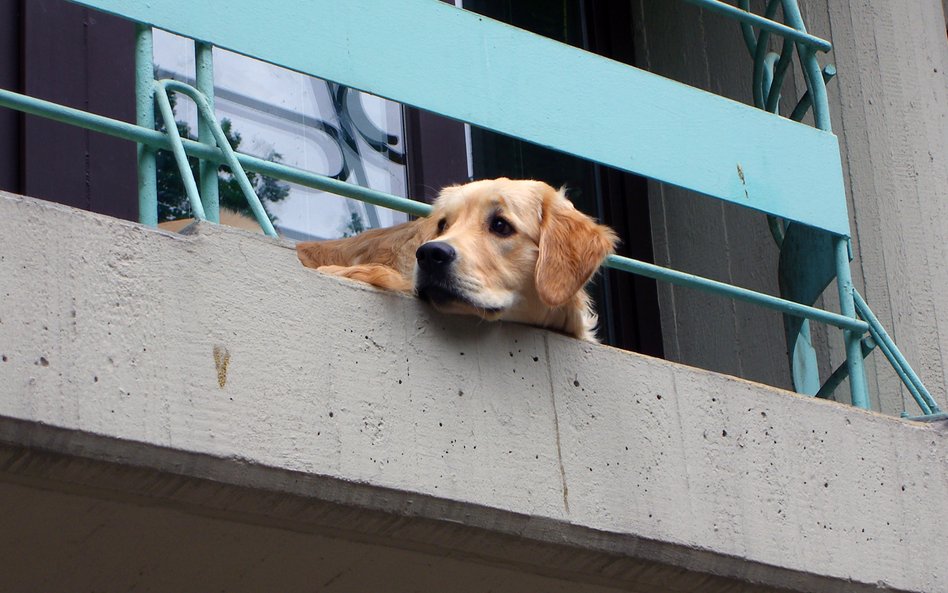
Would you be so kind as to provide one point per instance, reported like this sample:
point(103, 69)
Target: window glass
point(304, 122)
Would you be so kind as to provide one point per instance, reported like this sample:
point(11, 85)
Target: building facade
point(172, 419)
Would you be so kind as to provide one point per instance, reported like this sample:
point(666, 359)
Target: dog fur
point(518, 251)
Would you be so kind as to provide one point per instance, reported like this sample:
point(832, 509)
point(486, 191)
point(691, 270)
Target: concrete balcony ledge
point(175, 408)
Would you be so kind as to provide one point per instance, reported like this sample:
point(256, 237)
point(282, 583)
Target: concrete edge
point(54, 458)
point(77, 446)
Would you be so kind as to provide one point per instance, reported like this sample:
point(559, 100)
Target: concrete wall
point(210, 394)
point(703, 236)
point(890, 111)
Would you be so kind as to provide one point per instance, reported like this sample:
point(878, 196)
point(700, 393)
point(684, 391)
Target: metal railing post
point(145, 117)
point(207, 172)
point(811, 70)
point(898, 361)
point(857, 376)
point(164, 87)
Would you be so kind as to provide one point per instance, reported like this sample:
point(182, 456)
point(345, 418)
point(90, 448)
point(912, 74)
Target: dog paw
point(343, 271)
point(379, 276)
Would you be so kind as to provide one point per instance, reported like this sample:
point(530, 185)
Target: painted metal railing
point(473, 70)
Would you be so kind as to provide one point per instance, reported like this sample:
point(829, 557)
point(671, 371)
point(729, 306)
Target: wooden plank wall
point(10, 17)
point(84, 59)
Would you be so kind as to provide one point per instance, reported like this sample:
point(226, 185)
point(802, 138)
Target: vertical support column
point(204, 75)
point(854, 360)
point(816, 85)
point(145, 117)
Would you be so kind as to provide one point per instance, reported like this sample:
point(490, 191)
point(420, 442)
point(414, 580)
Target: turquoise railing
point(474, 71)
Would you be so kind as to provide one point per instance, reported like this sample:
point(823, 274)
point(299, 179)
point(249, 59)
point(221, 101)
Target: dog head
point(511, 249)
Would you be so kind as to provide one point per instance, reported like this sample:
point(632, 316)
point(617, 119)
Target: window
point(305, 122)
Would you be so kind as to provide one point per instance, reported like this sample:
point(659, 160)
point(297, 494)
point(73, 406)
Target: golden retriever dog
point(514, 250)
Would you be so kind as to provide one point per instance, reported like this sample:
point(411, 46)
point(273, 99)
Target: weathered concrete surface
point(344, 411)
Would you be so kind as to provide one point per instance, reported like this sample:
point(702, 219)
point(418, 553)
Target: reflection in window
point(304, 122)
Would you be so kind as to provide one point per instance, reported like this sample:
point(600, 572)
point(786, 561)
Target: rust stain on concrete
point(221, 361)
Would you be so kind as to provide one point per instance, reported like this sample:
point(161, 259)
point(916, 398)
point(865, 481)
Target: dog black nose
point(435, 256)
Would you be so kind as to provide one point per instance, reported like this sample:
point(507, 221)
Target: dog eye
point(442, 224)
point(499, 226)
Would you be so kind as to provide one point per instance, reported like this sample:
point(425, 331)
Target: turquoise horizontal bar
point(939, 417)
point(766, 24)
point(474, 69)
point(735, 292)
point(158, 140)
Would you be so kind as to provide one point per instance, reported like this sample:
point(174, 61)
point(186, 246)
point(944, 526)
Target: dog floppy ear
point(572, 246)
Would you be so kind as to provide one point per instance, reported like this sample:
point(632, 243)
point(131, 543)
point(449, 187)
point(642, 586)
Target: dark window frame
point(80, 58)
